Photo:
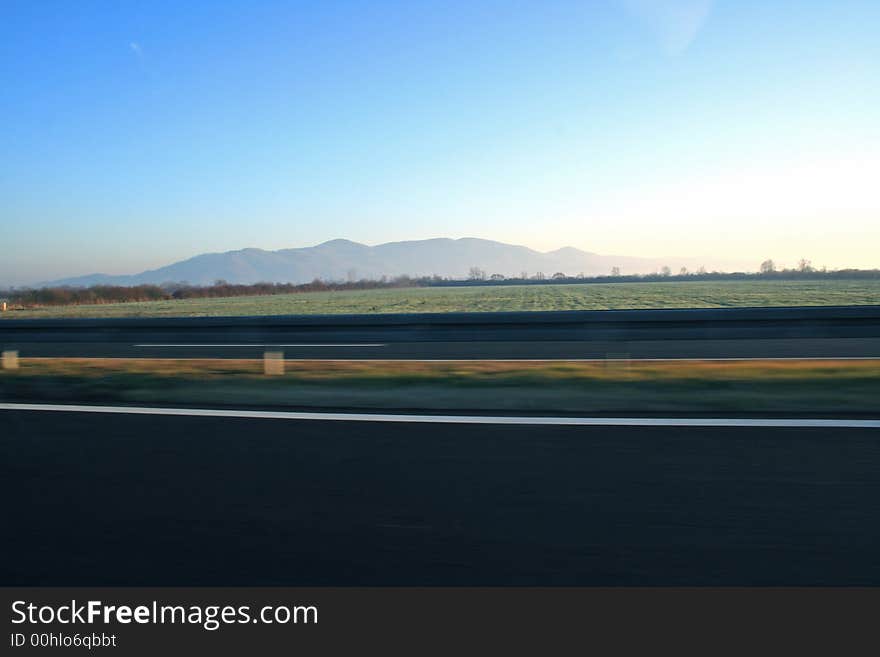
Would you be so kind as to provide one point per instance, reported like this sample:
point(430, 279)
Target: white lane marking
point(258, 345)
point(392, 359)
point(457, 419)
point(465, 359)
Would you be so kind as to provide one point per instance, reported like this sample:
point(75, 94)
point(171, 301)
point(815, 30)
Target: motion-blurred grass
point(763, 387)
point(599, 296)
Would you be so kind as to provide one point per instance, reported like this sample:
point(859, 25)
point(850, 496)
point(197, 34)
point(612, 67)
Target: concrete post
point(273, 363)
point(10, 360)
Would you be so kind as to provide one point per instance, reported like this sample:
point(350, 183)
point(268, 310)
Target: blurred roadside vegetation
point(809, 388)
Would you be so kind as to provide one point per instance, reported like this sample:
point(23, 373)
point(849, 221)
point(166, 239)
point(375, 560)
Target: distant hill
point(343, 259)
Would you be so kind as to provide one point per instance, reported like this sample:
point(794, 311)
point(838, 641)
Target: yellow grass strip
point(466, 371)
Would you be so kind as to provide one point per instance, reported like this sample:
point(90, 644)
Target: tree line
point(804, 271)
point(102, 294)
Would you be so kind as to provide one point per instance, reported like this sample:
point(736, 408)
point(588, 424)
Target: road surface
point(818, 332)
point(124, 499)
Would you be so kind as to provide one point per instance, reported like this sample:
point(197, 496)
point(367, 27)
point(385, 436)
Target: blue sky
point(135, 134)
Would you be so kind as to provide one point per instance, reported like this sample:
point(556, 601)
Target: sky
point(135, 134)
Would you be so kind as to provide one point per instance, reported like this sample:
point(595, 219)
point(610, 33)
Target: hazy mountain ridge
point(343, 259)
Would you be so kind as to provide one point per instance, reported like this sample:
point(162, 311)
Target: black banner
point(266, 621)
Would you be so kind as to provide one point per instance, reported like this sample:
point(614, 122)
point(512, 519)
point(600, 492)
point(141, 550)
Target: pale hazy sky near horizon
point(134, 134)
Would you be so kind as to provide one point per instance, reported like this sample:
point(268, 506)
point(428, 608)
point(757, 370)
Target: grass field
point(702, 294)
point(755, 387)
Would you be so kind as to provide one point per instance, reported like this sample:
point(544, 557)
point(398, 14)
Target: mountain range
point(339, 260)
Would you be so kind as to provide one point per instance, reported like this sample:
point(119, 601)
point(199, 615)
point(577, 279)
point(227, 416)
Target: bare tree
point(476, 274)
point(683, 271)
point(539, 276)
point(805, 265)
point(768, 267)
point(558, 275)
point(665, 271)
point(496, 277)
point(615, 271)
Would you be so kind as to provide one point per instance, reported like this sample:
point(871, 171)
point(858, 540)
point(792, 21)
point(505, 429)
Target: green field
point(702, 294)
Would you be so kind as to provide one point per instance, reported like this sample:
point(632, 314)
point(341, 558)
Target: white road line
point(707, 359)
point(601, 360)
point(458, 419)
point(256, 345)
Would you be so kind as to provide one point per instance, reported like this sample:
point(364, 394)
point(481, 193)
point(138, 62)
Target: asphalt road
point(818, 332)
point(95, 499)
